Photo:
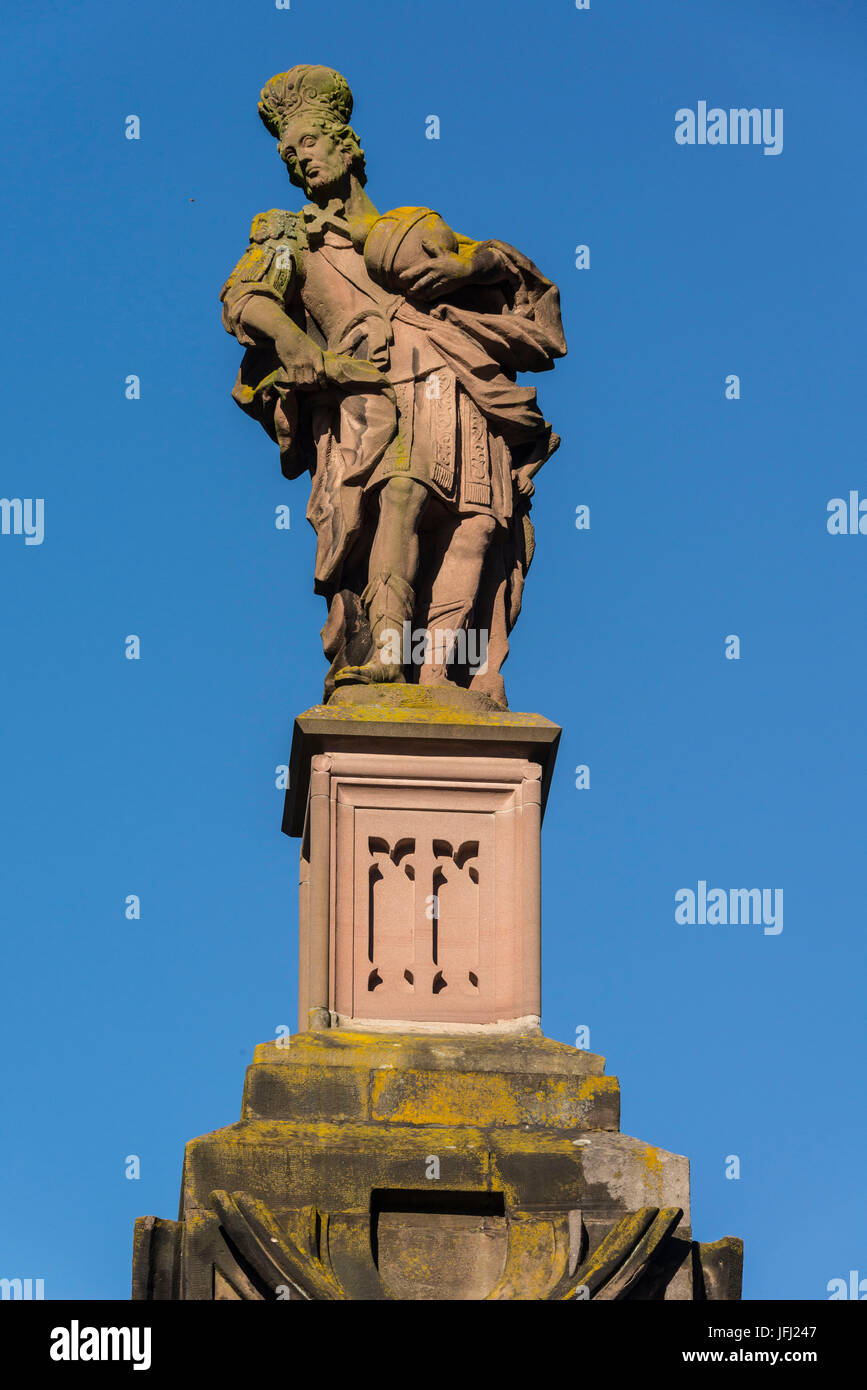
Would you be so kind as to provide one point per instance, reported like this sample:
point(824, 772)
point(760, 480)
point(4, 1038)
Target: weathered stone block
point(411, 1166)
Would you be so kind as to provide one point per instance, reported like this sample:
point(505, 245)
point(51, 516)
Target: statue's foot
point(435, 676)
point(371, 673)
point(492, 685)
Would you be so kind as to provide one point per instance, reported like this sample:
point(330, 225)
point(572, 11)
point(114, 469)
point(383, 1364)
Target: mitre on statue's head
point(307, 89)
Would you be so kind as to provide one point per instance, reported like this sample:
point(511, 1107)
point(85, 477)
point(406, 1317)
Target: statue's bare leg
point(453, 598)
point(395, 545)
point(390, 596)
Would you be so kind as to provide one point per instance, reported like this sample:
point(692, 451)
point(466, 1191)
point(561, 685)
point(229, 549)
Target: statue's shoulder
point(398, 222)
point(273, 256)
point(400, 238)
point(277, 224)
point(406, 214)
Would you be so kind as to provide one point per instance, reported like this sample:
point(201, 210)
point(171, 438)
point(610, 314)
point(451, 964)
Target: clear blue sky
point(708, 518)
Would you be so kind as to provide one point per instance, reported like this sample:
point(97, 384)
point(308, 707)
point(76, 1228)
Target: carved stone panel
point(433, 898)
point(423, 914)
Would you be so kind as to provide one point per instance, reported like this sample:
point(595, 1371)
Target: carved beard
point(323, 192)
point(327, 191)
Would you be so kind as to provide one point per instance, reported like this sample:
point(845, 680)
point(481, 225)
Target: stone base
point(408, 698)
point(382, 1166)
point(419, 897)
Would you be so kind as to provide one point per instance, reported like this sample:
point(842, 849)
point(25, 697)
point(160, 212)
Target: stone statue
point(382, 353)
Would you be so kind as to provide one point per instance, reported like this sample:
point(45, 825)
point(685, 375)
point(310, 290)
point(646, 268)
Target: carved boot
point(390, 602)
point(445, 621)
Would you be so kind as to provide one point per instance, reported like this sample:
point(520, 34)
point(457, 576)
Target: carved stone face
point(313, 156)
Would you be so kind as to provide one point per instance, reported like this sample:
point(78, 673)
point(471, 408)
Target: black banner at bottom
point(81, 1339)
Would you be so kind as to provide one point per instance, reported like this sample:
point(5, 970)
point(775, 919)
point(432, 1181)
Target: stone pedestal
point(419, 1138)
point(420, 893)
